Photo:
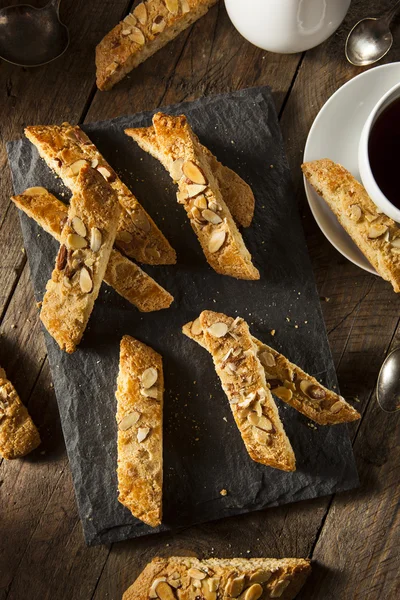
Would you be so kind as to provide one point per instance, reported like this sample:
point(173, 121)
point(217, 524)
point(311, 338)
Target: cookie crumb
point(223, 492)
point(272, 332)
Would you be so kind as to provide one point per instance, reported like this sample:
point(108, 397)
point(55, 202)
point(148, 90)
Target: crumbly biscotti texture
point(87, 239)
point(140, 388)
point(187, 578)
point(18, 433)
point(243, 380)
point(236, 193)
point(66, 148)
point(292, 385)
point(122, 274)
point(201, 197)
point(151, 26)
point(377, 236)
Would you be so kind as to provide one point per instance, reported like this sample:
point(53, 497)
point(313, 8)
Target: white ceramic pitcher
point(286, 26)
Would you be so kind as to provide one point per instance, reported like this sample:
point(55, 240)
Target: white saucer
point(335, 134)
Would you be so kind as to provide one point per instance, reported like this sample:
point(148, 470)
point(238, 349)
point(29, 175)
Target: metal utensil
point(370, 39)
point(388, 385)
point(31, 36)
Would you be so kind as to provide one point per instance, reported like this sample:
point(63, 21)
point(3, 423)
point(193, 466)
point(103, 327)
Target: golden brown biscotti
point(87, 239)
point(377, 236)
point(243, 380)
point(187, 578)
point(122, 274)
point(140, 388)
point(236, 193)
point(18, 434)
point(66, 148)
point(150, 26)
point(201, 197)
point(292, 385)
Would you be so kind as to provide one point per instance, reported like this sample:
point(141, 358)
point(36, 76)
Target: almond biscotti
point(243, 380)
point(86, 243)
point(150, 26)
point(236, 193)
point(187, 578)
point(140, 388)
point(122, 274)
point(201, 197)
point(66, 149)
point(377, 236)
point(18, 434)
point(292, 385)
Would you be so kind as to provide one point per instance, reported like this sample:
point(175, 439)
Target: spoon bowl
point(388, 384)
point(368, 42)
point(30, 37)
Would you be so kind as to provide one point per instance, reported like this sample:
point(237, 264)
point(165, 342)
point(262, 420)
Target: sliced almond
point(79, 226)
point(77, 166)
point(283, 393)
point(176, 169)
point(196, 214)
point(152, 591)
point(35, 191)
point(165, 592)
point(337, 407)
point(267, 359)
point(213, 584)
point(95, 239)
point(260, 576)
point(254, 592)
point(158, 26)
point(130, 20)
point(149, 377)
point(137, 36)
point(218, 330)
point(151, 392)
point(181, 196)
point(67, 282)
point(85, 281)
point(76, 241)
point(173, 6)
point(95, 161)
point(201, 202)
point(375, 231)
point(194, 189)
point(315, 392)
point(235, 586)
point(258, 408)
point(216, 241)
point(214, 206)
point(211, 216)
point(196, 327)
point(175, 583)
point(142, 434)
point(396, 242)
point(129, 420)
point(185, 6)
point(279, 588)
point(193, 172)
point(206, 593)
point(264, 423)
point(196, 573)
point(141, 221)
point(152, 252)
point(125, 236)
point(140, 13)
point(62, 257)
point(106, 173)
point(253, 418)
point(370, 217)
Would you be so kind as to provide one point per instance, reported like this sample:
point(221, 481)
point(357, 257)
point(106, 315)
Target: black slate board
point(203, 451)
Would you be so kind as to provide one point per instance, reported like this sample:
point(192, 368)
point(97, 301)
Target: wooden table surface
point(353, 538)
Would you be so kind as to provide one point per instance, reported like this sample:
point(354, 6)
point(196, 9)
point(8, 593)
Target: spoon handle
point(391, 13)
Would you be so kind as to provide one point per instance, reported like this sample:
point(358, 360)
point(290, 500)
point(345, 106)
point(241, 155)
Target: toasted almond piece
point(140, 220)
point(258, 408)
point(78, 226)
point(194, 189)
point(235, 586)
point(152, 252)
point(173, 6)
point(196, 573)
point(125, 32)
point(217, 240)
point(282, 392)
point(211, 216)
point(152, 591)
point(214, 206)
point(315, 392)
point(77, 166)
point(85, 281)
point(142, 434)
point(95, 239)
point(125, 236)
point(253, 418)
point(149, 377)
point(336, 407)
point(196, 327)
point(213, 583)
point(175, 583)
point(196, 583)
point(264, 423)
point(176, 169)
point(67, 283)
point(205, 591)
point(165, 592)
point(185, 6)
point(62, 257)
point(254, 592)
point(267, 359)
point(279, 588)
point(95, 162)
point(140, 13)
point(196, 214)
point(201, 202)
point(375, 231)
point(76, 241)
point(112, 66)
point(371, 217)
point(105, 172)
point(396, 242)
point(218, 330)
point(181, 196)
point(260, 576)
point(193, 172)
point(137, 36)
point(158, 26)
point(129, 420)
point(130, 20)
point(35, 191)
point(151, 392)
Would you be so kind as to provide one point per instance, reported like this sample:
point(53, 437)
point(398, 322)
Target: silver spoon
point(370, 39)
point(388, 385)
point(31, 36)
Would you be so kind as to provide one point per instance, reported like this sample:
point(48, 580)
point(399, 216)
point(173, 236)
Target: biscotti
point(66, 149)
point(150, 26)
point(187, 578)
point(18, 434)
point(201, 198)
point(236, 193)
point(122, 274)
point(86, 243)
point(140, 388)
point(377, 236)
point(243, 380)
point(292, 385)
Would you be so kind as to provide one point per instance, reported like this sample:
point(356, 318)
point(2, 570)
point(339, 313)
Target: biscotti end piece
point(18, 433)
point(140, 388)
point(86, 243)
point(150, 27)
point(187, 578)
point(377, 236)
point(243, 380)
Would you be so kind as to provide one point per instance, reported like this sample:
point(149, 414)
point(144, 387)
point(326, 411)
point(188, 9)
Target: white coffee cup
point(286, 26)
point(367, 177)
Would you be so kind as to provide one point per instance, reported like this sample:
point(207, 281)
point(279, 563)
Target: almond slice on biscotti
point(140, 388)
point(66, 148)
point(243, 380)
point(292, 385)
point(201, 197)
point(122, 274)
point(150, 26)
point(87, 239)
point(188, 578)
point(236, 193)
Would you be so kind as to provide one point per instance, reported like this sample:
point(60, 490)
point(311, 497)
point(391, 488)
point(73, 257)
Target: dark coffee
point(384, 152)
